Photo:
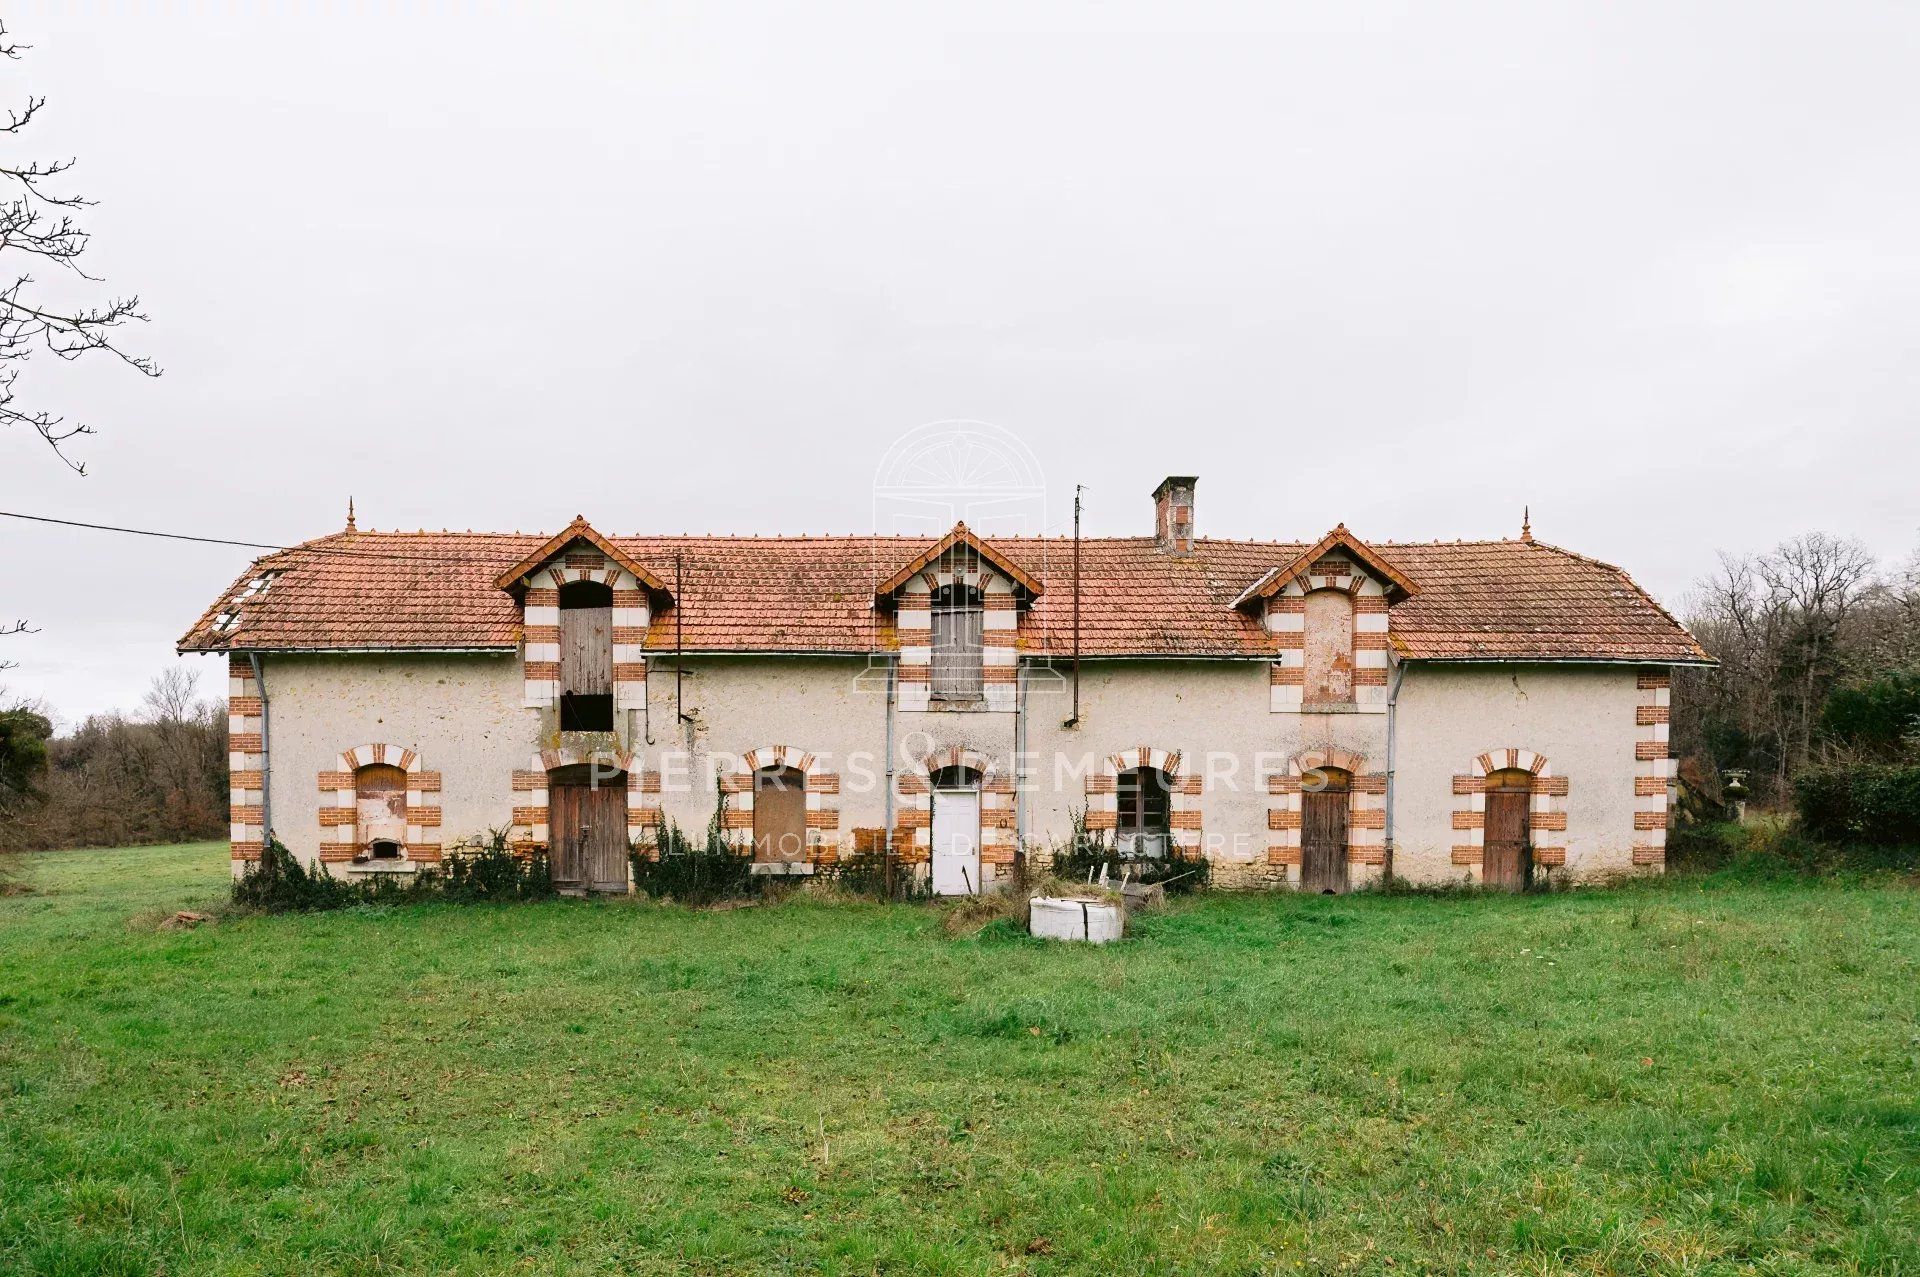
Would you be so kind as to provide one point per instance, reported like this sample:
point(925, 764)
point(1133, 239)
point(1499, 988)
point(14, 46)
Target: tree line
point(156, 775)
point(1819, 663)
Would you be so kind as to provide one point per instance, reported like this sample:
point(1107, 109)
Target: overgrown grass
point(1774, 849)
point(1675, 1078)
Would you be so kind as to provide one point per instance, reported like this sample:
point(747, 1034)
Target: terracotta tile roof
point(1398, 586)
point(1487, 600)
point(579, 530)
point(962, 535)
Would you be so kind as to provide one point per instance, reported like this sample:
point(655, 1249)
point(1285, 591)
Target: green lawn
point(1670, 1078)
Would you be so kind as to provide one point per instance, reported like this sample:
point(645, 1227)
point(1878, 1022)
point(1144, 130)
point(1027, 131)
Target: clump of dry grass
point(969, 915)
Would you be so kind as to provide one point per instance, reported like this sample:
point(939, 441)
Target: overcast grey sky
point(1651, 269)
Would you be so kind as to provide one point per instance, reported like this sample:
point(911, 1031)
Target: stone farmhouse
point(1304, 715)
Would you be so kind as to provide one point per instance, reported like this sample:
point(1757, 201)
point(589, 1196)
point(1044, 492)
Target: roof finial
point(350, 526)
point(1526, 523)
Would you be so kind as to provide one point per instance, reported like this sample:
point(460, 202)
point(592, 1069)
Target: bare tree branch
point(17, 627)
point(37, 222)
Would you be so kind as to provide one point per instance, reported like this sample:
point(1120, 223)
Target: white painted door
point(956, 842)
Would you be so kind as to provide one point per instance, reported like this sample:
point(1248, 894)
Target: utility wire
point(337, 550)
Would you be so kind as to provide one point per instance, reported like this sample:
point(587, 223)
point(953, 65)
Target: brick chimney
point(1173, 513)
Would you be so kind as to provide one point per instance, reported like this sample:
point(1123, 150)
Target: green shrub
point(1882, 714)
point(489, 870)
point(1879, 806)
point(1086, 850)
point(484, 871)
point(1764, 852)
point(678, 868)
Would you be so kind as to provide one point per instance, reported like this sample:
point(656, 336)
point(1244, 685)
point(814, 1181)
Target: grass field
point(1667, 1079)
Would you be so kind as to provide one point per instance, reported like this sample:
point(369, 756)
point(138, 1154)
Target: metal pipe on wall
point(1393, 713)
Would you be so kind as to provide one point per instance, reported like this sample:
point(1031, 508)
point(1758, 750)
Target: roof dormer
point(962, 551)
point(1336, 548)
point(585, 607)
point(957, 619)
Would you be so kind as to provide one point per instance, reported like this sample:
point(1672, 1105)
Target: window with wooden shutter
point(959, 639)
point(586, 657)
point(779, 815)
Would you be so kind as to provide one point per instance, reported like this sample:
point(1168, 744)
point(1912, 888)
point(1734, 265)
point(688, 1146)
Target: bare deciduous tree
point(37, 221)
point(1788, 627)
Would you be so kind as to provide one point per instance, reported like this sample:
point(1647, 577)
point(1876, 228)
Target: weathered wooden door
point(1507, 830)
point(586, 657)
point(566, 813)
point(587, 830)
point(780, 816)
point(1323, 835)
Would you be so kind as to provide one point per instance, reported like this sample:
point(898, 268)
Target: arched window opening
point(779, 815)
point(380, 799)
point(1326, 795)
point(959, 638)
point(1145, 802)
point(958, 776)
point(1506, 850)
point(1329, 648)
point(586, 657)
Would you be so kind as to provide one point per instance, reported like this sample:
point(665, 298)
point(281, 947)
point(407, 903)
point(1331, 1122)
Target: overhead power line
point(338, 550)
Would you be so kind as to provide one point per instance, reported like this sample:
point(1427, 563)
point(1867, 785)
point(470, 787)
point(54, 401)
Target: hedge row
point(1874, 805)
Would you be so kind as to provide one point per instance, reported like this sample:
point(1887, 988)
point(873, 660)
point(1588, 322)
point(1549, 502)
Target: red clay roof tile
point(1485, 600)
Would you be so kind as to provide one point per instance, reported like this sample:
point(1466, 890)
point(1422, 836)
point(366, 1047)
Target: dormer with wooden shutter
point(585, 608)
point(958, 620)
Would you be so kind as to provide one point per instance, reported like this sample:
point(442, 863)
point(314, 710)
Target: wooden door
point(780, 816)
point(566, 813)
point(956, 842)
point(605, 845)
point(587, 830)
point(1323, 835)
point(1507, 830)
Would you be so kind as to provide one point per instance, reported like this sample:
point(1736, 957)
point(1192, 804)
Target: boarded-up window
point(1329, 654)
point(958, 641)
point(1144, 802)
point(586, 657)
point(380, 795)
point(779, 815)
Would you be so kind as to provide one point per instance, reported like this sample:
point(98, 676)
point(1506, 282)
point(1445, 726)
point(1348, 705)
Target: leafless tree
point(37, 220)
point(1788, 627)
point(158, 776)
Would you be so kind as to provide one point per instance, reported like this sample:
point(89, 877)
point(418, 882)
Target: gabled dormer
point(585, 608)
point(958, 606)
point(1328, 611)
